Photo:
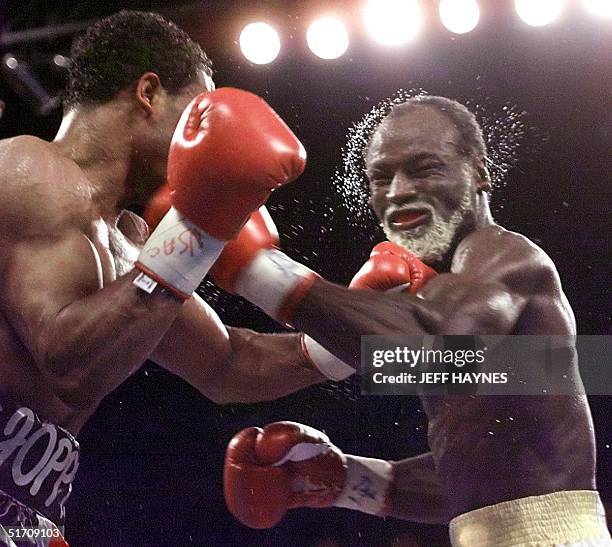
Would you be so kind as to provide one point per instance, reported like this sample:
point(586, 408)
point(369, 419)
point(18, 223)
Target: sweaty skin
point(484, 450)
point(72, 325)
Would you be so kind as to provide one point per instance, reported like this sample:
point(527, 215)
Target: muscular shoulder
point(496, 254)
point(41, 192)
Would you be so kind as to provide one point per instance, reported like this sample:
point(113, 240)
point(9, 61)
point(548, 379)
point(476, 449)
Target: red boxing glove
point(246, 266)
point(157, 207)
point(288, 465)
point(230, 150)
point(283, 466)
point(58, 542)
point(254, 268)
point(391, 266)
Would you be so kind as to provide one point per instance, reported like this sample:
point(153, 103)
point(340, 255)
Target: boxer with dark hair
point(503, 470)
point(114, 52)
point(76, 317)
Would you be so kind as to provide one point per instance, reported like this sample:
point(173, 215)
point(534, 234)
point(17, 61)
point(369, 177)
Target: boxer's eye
point(380, 182)
point(426, 171)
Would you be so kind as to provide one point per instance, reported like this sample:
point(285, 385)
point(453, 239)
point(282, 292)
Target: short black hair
point(117, 50)
point(472, 142)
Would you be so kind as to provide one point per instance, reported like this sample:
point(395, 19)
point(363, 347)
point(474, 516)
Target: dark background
point(152, 455)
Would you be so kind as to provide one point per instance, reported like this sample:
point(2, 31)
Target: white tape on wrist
point(327, 363)
point(178, 254)
point(368, 482)
point(270, 281)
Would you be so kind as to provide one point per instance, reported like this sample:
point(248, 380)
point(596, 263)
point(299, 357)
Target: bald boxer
point(503, 470)
point(77, 318)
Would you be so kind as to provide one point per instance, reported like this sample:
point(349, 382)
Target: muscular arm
point(87, 332)
point(84, 339)
point(84, 342)
point(232, 365)
point(493, 276)
point(89, 343)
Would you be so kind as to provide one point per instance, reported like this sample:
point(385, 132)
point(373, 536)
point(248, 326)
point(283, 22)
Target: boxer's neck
point(99, 140)
point(482, 218)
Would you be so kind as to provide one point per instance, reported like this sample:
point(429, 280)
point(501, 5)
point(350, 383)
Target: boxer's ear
point(147, 87)
point(483, 178)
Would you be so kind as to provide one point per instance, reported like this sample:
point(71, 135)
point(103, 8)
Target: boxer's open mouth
point(408, 219)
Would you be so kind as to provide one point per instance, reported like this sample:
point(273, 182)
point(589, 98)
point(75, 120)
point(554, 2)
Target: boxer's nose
point(401, 189)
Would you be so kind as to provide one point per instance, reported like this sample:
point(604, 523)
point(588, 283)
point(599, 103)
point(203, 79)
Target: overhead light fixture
point(259, 43)
point(327, 38)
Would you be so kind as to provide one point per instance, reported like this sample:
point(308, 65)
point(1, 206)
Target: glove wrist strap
point(177, 255)
point(276, 283)
point(367, 487)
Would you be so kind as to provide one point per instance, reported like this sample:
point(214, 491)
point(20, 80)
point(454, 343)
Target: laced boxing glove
point(277, 284)
point(389, 268)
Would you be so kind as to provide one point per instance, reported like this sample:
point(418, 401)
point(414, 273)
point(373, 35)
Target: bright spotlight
point(393, 22)
point(459, 16)
point(259, 43)
point(538, 13)
point(599, 7)
point(327, 38)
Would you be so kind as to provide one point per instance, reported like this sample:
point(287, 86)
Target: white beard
point(431, 242)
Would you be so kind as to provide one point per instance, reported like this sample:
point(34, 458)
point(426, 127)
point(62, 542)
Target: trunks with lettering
point(38, 461)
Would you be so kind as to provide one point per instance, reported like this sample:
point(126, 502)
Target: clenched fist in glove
point(391, 267)
point(287, 465)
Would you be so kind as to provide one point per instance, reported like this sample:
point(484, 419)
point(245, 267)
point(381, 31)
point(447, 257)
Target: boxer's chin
point(430, 242)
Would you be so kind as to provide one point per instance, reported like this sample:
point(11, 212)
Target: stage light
point(327, 38)
point(599, 7)
point(259, 43)
point(540, 12)
point(60, 62)
point(24, 83)
point(393, 22)
point(459, 16)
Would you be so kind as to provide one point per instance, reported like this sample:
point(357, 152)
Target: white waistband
point(562, 518)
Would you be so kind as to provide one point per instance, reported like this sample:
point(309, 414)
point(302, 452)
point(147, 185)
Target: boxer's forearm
point(449, 304)
point(417, 494)
point(264, 367)
point(337, 317)
point(95, 342)
point(250, 368)
point(230, 365)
